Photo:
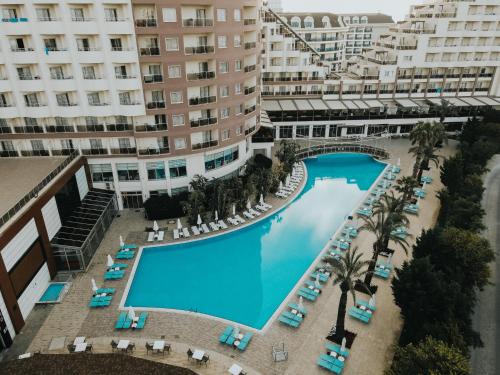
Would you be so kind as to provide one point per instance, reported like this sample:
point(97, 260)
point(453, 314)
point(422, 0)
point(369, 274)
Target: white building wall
point(51, 218)
point(34, 291)
point(16, 248)
point(5, 313)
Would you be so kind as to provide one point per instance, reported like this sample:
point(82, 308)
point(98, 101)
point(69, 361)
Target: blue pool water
point(245, 275)
point(52, 292)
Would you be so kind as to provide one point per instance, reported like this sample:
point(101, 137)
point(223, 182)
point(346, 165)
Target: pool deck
point(371, 353)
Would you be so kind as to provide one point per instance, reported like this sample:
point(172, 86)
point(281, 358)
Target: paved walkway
point(372, 349)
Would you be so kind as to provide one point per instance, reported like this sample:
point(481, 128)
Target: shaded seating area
point(127, 320)
point(294, 315)
point(233, 337)
point(382, 270)
point(114, 275)
point(125, 254)
point(411, 208)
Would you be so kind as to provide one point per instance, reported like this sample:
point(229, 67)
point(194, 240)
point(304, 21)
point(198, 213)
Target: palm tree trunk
point(371, 267)
point(340, 327)
point(423, 164)
point(416, 166)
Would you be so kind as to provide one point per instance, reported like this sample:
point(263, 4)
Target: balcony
point(200, 76)
point(155, 105)
point(28, 77)
point(151, 128)
point(203, 122)
point(67, 104)
point(202, 145)
point(249, 90)
point(28, 129)
point(250, 45)
point(90, 128)
point(8, 154)
point(149, 51)
point(146, 22)
point(154, 151)
point(197, 22)
point(59, 129)
point(94, 151)
point(63, 152)
point(123, 151)
point(35, 105)
point(202, 100)
point(250, 68)
point(153, 78)
point(249, 110)
point(35, 153)
point(124, 127)
point(249, 21)
point(200, 50)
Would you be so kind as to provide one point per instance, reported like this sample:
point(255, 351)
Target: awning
point(407, 103)
point(303, 105)
point(264, 120)
point(318, 104)
point(435, 101)
point(457, 102)
point(374, 104)
point(361, 104)
point(489, 101)
point(287, 105)
point(421, 103)
point(335, 105)
point(349, 104)
point(271, 105)
point(473, 102)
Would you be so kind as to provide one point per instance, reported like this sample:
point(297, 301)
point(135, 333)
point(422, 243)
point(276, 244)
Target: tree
point(430, 356)
point(452, 173)
point(460, 212)
point(425, 138)
point(418, 138)
point(405, 186)
point(287, 154)
point(444, 110)
point(346, 271)
point(387, 216)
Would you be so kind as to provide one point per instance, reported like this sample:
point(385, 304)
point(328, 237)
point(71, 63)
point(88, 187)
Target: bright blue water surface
point(52, 292)
point(245, 275)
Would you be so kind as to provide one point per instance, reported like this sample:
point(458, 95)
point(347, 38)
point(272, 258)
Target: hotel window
point(101, 172)
point(111, 14)
point(63, 99)
point(237, 15)
point(224, 113)
point(43, 14)
point(222, 41)
point(156, 170)
point(37, 145)
point(319, 131)
point(95, 144)
point(180, 143)
point(172, 44)
point(286, 131)
point(177, 120)
point(176, 97)
point(223, 67)
point(174, 71)
point(31, 100)
point(237, 41)
point(238, 130)
point(77, 14)
point(332, 131)
point(237, 65)
point(169, 15)
point(221, 15)
point(88, 72)
point(127, 171)
point(177, 168)
point(224, 91)
point(220, 159)
point(124, 98)
point(93, 98)
point(179, 190)
point(239, 109)
point(225, 134)
point(237, 88)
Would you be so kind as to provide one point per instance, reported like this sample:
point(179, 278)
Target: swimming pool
point(53, 293)
point(245, 275)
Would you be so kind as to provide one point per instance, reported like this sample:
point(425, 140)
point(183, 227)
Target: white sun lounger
point(195, 230)
point(239, 218)
point(253, 212)
point(222, 224)
point(233, 221)
point(176, 234)
point(281, 194)
point(204, 228)
point(247, 214)
point(266, 205)
point(151, 236)
point(161, 236)
point(213, 226)
point(185, 232)
point(261, 208)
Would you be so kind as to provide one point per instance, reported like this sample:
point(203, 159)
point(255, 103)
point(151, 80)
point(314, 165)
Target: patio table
point(123, 344)
point(159, 345)
point(198, 354)
point(80, 347)
point(79, 340)
point(235, 369)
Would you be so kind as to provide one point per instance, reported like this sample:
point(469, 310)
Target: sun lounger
point(400, 232)
point(125, 254)
point(281, 194)
point(100, 301)
point(151, 236)
point(313, 284)
point(322, 277)
point(395, 169)
point(383, 273)
point(289, 322)
point(222, 224)
point(426, 179)
point(365, 211)
point(248, 215)
point(105, 291)
point(344, 245)
point(351, 231)
point(366, 304)
point(411, 208)
point(176, 234)
point(225, 335)
point(253, 212)
point(213, 226)
point(419, 193)
point(331, 364)
point(204, 228)
point(239, 218)
point(142, 320)
point(185, 232)
point(337, 349)
point(195, 230)
point(295, 306)
point(313, 290)
point(244, 341)
point(114, 275)
point(361, 315)
point(290, 315)
point(377, 192)
point(121, 320)
point(161, 236)
point(130, 246)
point(306, 295)
point(233, 221)
point(261, 208)
point(266, 205)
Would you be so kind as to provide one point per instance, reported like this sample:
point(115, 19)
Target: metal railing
point(329, 148)
point(33, 193)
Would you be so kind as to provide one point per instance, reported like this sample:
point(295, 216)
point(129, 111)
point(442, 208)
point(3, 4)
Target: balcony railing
point(149, 51)
point(200, 50)
point(8, 154)
point(250, 45)
point(94, 151)
point(249, 21)
point(155, 105)
point(200, 75)
point(202, 100)
point(249, 90)
point(250, 68)
point(22, 49)
point(123, 151)
point(202, 145)
point(62, 151)
point(153, 78)
point(154, 151)
point(35, 153)
point(120, 127)
point(203, 122)
point(197, 22)
point(90, 128)
point(28, 77)
point(59, 129)
point(151, 128)
point(249, 110)
point(146, 22)
point(28, 129)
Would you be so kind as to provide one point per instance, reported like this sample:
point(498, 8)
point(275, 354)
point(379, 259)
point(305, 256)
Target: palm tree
point(418, 137)
point(405, 186)
point(425, 137)
point(387, 216)
point(346, 271)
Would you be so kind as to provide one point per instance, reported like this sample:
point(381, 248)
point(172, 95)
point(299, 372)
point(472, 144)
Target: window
point(124, 143)
point(179, 190)
point(124, 98)
point(332, 131)
point(224, 112)
point(225, 134)
point(239, 109)
point(77, 14)
point(238, 130)
point(177, 168)
point(178, 120)
point(56, 72)
point(172, 44)
point(101, 172)
point(169, 15)
point(222, 41)
point(237, 65)
point(127, 171)
point(223, 67)
point(407, 58)
point(221, 15)
point(319, 131)
point(95, 144)
point(37, 145)
point(180, 143)
point(88, 72)
point(174, 71)
point(156, 170)
point(237, 88)
point(31, 100)
point(220, 159)
point(63, 99)
point(224, 91)
point(175, 97)
point(302, 131)
point(111, 14)
point(237, 15)
point(237, 41)
point(286, 131)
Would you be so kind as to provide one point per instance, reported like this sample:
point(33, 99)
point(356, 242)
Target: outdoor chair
point(149, 347)
point(114, 345)
point(205, 360)
point(130, 347)
point(88, 349)
point(71, 348)
point(189, 354)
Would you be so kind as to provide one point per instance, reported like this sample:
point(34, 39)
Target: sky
point(396, 8)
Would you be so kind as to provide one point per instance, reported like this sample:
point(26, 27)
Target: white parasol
point(287, 181)
point(316, 282)
point(301, 302)
point(216, 216)
point(155, 226)
point(179, 225)
point(110, 261)
point(389, 259)
point(234, 210)
point(131, 313)
point(371, 302)
point(199, 221)
point(122, 244)
point(261, 201)
point(344, 342)
point(94, 286)
point(399, 162)
point(281, 185)
point(249, 206)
